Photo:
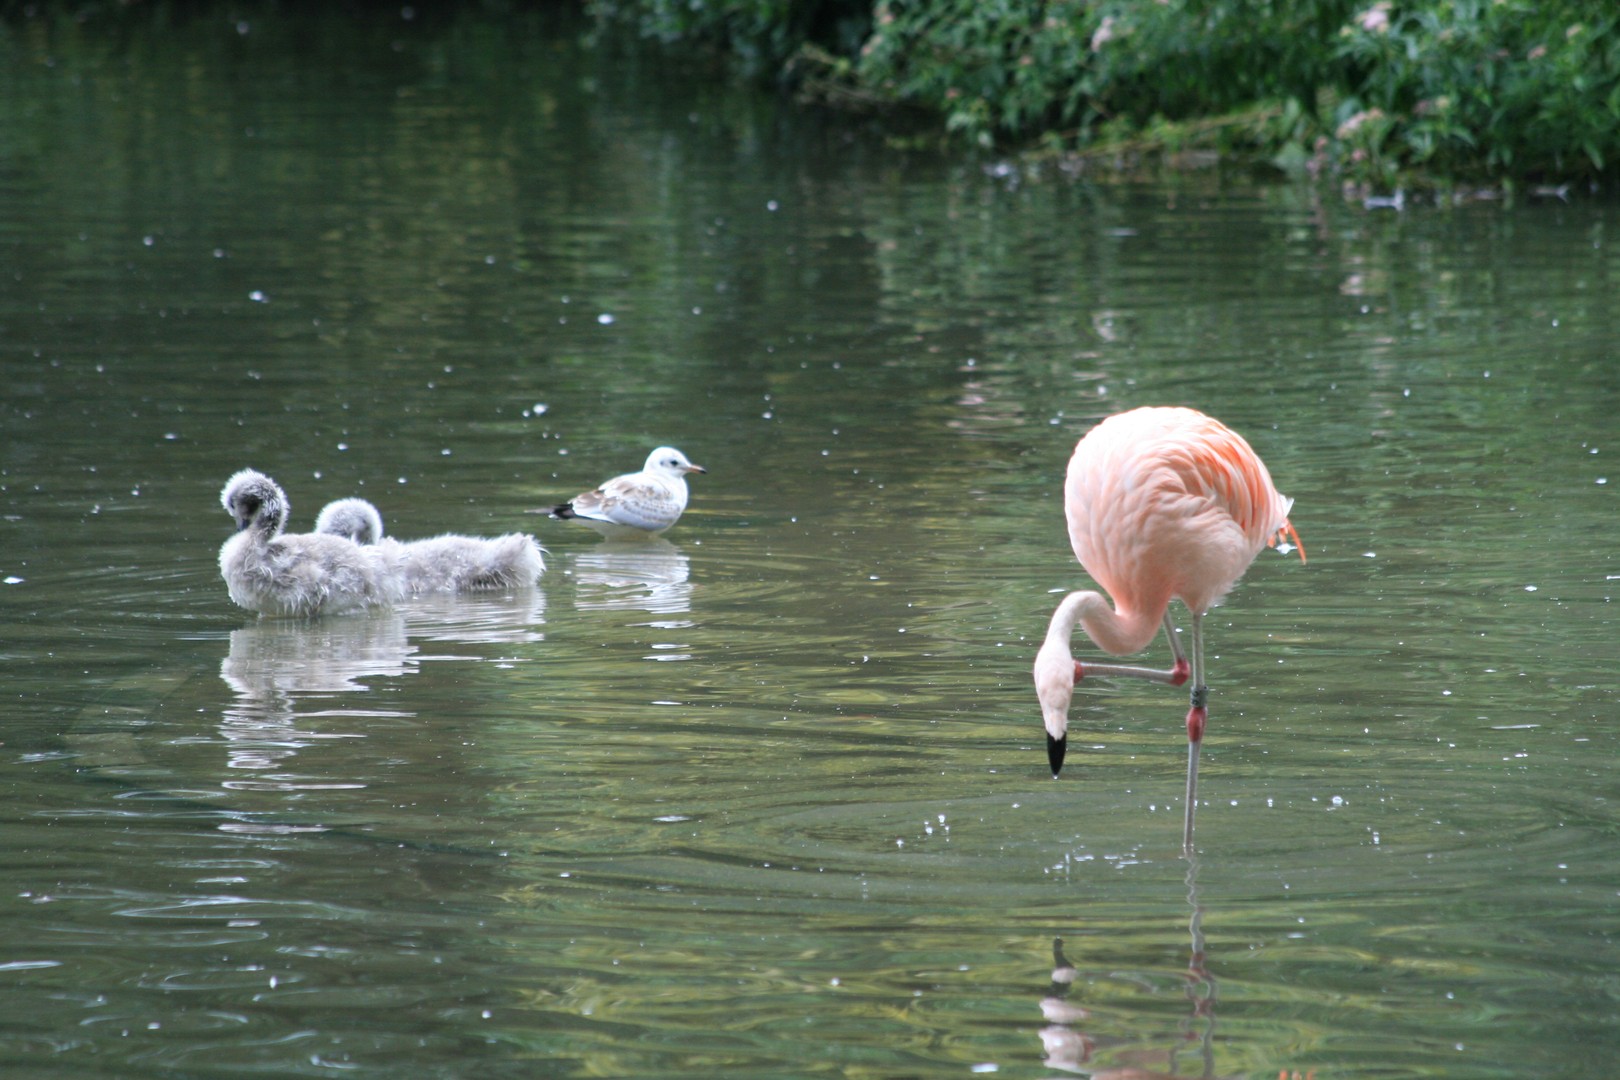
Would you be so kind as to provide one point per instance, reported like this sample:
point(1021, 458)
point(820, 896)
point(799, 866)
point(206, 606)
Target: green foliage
point(761, 35)
point(1008, 69)
point(1376, 92)
point(989, 66)
point(1503, 87)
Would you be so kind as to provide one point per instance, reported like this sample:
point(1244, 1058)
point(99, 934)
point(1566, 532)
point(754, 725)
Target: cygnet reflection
point(275, 667)
point(448, 563)
point(649, 575)
point(491, 618)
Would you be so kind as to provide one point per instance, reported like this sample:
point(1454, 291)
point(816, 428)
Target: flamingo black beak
point(1055, 749)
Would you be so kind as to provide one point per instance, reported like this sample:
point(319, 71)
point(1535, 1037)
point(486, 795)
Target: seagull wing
point(636, 500)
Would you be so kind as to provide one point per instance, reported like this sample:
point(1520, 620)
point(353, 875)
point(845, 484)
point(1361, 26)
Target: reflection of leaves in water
point(650, 575)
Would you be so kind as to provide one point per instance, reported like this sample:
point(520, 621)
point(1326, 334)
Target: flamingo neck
point(1113, 631)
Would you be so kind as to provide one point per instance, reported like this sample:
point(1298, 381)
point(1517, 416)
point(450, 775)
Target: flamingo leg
point(1175, 642)
point(1197, 714)
point(1173, 676)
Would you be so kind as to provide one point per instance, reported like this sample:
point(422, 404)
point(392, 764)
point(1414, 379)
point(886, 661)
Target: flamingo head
point(1054, 686)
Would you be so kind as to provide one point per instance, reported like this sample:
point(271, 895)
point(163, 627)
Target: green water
point(770, 799)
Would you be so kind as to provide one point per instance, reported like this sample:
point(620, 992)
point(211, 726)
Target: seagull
point(448, 563)
point(276, 573)
point(636, 504)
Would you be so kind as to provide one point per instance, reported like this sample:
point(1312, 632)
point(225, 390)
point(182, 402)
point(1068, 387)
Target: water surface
point(769, 797)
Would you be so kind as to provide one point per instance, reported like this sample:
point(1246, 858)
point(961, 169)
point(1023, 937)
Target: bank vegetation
point(1382, 94)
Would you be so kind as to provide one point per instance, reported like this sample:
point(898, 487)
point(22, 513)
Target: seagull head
point(668, 461)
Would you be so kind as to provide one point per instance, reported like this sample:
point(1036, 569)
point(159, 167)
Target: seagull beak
point(693, 468)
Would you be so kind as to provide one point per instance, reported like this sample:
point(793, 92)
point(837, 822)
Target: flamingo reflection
point(1070, 1049)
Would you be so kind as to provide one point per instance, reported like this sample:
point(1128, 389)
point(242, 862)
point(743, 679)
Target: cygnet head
point(254, 500)
point(670, 462)
point(355, 519)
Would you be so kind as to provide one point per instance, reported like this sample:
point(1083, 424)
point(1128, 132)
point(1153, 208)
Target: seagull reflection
point(273, 665)
point(650, 575)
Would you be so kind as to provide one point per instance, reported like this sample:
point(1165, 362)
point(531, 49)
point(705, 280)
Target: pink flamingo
point(1162, 504)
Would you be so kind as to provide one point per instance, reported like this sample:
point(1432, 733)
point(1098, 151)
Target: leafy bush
point(1006, 69)
point(1504, 87)
point(1493, 88)
point(761, 35)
